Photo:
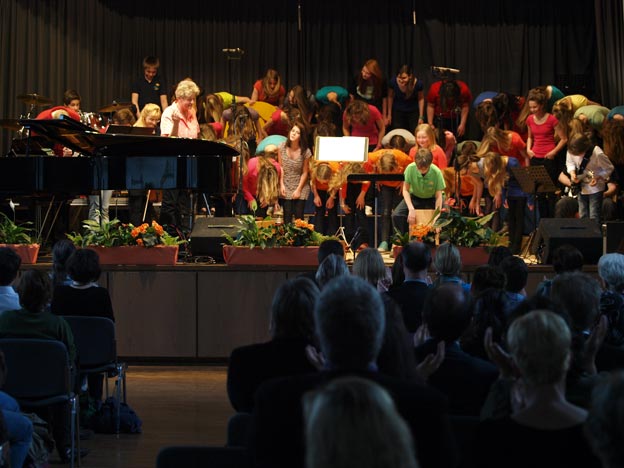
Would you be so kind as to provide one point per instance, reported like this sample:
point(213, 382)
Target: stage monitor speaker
point(584, 234)
point(614, 237)
point(207, 236)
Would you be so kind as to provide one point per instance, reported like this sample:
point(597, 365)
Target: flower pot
point(27, 252)
point(137, 255)
point(297, 256)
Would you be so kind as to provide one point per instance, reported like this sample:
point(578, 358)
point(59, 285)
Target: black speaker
point(207, 236)
point(584, 234)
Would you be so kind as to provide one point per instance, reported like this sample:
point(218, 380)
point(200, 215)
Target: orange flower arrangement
point(147, 235)
point(419, 231)
point(115, 234)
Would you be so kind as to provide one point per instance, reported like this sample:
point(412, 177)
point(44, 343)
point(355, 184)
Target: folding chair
point(202, 457)
point(39, 374)
point(95, 342)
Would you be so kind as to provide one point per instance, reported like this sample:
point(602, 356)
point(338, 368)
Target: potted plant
point(17, 236)
point(119, 243)
point(270, 243)
point(471, 235)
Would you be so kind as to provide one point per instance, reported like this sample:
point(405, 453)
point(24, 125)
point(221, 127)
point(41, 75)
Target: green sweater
point(42, 325)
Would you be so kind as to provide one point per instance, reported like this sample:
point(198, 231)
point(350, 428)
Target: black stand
point(374, 178)
point(534, 180)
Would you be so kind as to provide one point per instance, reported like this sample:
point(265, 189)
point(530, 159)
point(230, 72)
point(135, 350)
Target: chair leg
point(72, 431)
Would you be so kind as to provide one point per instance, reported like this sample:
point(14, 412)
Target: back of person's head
point(398, 272)
point(566, 257)
point(83, 266)
point(354, 422)
point(498, 253)
point(447, 312)
point(34, 290)
point(9, 265)
point(539, 343)
point(61, 252)
point(516, 274)
point(369, 266)
point(488, 311)
point(328, 247)
point(447, 260)
point(350, 321)
point(604, 427)
point(397, 142)
point(416, 256)
point(611, 270)
point(579, 295)
point(124, 117)
point(396, 356)
point(486, 277)
point(331, 267)
point(292, 310)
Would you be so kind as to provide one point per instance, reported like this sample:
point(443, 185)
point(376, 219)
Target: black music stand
point(534, 180)
point(374, 178)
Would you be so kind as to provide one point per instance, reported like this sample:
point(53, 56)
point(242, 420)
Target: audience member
point(354, 422)
point(516, 275)
point(498, 253)
point(486, 277)
point(463, 378)
point(488, 311)
point(410, 295)
point(9, 266)
point(611, 272)
point(604, 427)
point(291, 329)
point(61, 251)
point(369, 265)
point(448, 265)
point(565, 258)
point(350, 322)
point(545, 430)
point(331, 267)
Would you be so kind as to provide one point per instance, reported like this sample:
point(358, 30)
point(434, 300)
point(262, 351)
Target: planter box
point(27, 252)
point(137, 255)
point(297, 256)
point(470, 256)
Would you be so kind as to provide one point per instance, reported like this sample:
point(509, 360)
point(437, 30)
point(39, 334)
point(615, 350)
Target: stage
point(201, 312)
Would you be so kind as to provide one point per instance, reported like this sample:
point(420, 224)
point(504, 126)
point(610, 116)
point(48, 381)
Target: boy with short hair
point(423, 187)
point(150, 88)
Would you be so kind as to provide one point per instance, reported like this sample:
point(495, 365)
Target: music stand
point(533, 180)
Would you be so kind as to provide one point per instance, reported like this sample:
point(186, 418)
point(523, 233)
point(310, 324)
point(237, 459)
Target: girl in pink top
point(364, 120)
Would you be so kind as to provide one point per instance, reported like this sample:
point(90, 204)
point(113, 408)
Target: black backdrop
point(96, 46)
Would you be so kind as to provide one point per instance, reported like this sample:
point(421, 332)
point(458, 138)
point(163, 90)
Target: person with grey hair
point(291, 330)
point(354, 422)
point(179, 120)
point(350, 320)
point(331, 267)
point(604, 427)
point(544, 429)
point(611, 272)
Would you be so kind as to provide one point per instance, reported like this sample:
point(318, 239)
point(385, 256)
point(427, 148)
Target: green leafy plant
point(297, 234)
point(451, 226)
point(12, 233)
point(116, 234)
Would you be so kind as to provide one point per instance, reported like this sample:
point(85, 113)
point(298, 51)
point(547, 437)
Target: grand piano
point(115, 162)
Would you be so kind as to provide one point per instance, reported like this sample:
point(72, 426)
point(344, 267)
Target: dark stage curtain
point(97, 46)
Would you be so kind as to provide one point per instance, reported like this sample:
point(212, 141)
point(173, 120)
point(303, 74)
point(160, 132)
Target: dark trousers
point(176, 209)
point(546, 201)
point(292, 208)
point(325, 225)
point(515, 221)
point(355, 221)
point(390, 198)
point(136, 207)
point(405, 120)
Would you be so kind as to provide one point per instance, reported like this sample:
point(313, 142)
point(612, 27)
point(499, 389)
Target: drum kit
point(96, 120)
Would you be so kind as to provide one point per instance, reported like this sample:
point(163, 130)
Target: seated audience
point(448, 265)
point(83, 296)
point(611, 272)
point(34, 321)
point(369, 266)
point(605, 421)
point(463, 378)
point(354, 422)
point(350, 322)
point(291, 329)
point(488, 311)
point(326, 248)
point(61, 252)
point(9, 266)
point(331, 267)
point(565, 258)
point(516, 275)
point(486, 277)
point(498, 253)
point(410, 295)
point(544, 430)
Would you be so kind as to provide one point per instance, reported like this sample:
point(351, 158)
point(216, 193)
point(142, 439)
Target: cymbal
point(34, 99)
point(115, 106)
point(10, 124)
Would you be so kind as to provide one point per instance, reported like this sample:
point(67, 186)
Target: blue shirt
point(9, 299)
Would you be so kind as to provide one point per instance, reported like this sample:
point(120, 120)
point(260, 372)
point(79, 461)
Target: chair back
point(238, 430)
point(36, 369)
point(94, 338)
point(202, 457)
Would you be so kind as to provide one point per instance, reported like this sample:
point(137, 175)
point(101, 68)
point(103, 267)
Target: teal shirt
point(424, 186)
point(42, 325)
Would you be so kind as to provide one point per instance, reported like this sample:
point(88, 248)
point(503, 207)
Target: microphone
point(237, 50)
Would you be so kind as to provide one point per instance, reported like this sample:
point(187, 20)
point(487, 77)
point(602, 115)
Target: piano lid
point(84, 139)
